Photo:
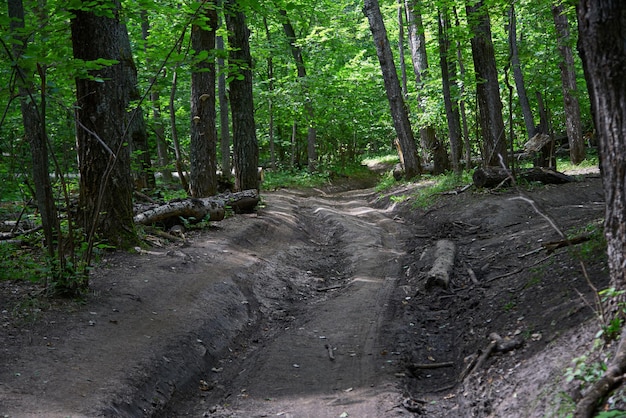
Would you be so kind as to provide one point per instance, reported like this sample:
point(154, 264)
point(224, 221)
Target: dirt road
point(314, 307)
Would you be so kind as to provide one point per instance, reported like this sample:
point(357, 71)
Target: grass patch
point(428, 195)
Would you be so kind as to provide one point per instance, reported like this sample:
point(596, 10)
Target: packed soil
point(319, 304)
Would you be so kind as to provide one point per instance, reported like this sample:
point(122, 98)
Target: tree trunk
point(308, 105)
point(602, 45)
point(224, 110)
point(487, 87)
point(203, 150)
point(135, 125)
point(448, 71)
point(401, 47)
point(399, 111)
point(432, 149)
point(157, 120)
point(105, 202)
point(177, 153)
point(466, 137)
point(34, 129)
point(270, 99)
point(570, 91)
point(518, 76)
point(246, 149)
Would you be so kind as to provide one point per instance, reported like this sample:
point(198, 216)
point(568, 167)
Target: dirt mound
point(316, 305)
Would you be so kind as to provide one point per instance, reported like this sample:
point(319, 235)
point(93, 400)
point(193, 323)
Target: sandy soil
point(316, 306)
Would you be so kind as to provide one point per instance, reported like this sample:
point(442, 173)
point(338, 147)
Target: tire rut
point(328, 357)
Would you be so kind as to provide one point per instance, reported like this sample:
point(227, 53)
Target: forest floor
point(316, 306)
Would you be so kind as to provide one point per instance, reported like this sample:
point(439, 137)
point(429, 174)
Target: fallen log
point(439, 274)
point(197, 209)
point(490, 177)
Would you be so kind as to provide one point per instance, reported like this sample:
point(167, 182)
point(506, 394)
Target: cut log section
point(199, 209)
point(441, 271)
point(490, 177)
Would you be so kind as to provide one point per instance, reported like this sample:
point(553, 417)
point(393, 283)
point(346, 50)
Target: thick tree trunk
point(570, 90)
point(518, 76)
point(602, 44)
point(245, 146)
point(448, 71)
point(34, 129)
point(399, 111)
point(203, 178)
point(487, 86)
point(105, 202)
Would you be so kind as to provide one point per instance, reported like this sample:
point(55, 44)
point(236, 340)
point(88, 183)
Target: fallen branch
point(428, 366)
point(11, 235)
point(331, 355)
point(554, 245)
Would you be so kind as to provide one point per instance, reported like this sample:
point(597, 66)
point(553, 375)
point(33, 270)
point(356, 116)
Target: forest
point(105, 102)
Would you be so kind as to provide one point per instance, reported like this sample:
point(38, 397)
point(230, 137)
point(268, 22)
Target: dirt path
point(314, 307)
point(330, 359)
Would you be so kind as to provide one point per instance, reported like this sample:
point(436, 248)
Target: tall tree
point(308, 104)
point(105, 202)
point(223, 105)
point(518, 75)
point(431, 146)
point(602, 44)
point(570, 90)
point(399, 111)
point(487, 86)
point(33, 119)
point(155, 99)
point(203, 178)
point(245, 145)
point(448, 73)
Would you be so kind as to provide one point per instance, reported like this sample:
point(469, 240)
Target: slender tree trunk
point(466, 136)
point(224, 111)
point(487, 87)
point(34, 128)
point(399, 111)
point(105, 202)
point(602, 44)
point(518, 76)
point(401, 47)
point(157, 119)
point(180, 169)
point(308, 104)
point(448, 73)
point(568, 78)
point(203, 179)
point(246, 150)
point(270, 100)
point(137, 135)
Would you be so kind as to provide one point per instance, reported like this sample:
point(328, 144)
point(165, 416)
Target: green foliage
point(586, 373)
point(434, 186)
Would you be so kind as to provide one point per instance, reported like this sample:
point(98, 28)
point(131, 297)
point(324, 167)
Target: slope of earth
point(315, 306)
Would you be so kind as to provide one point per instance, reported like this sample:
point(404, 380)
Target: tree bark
point(518, 76)
point(487, 87)
point(493, 176)
point(33, 118)
point(224, 110)
point(432, 148)
point(448, 71)
point(245, 146)
point(105, 202)
point(155, 99)
point(399, 111)
point(570, 90)
point(203, 150)
point(308, 104)
point(602, 45)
